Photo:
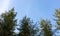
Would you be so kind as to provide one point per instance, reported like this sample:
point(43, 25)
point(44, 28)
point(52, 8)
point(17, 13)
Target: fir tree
point(25, 28)
point(9, 22)
point(45, 28)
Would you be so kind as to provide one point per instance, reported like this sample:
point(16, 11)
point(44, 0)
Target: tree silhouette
point(9, 22)
point(45, 28)
point(25, 28)
point(57, 19)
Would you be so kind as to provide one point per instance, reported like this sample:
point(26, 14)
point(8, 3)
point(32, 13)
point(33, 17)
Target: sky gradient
point(4, 5)
point(35, 9)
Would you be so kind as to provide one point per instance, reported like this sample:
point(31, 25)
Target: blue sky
point(35, 9)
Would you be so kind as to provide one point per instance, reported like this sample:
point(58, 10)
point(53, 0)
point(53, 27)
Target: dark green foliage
point(57, 20)
point(25, 28)
point(9, 22)
point(1, 30)
point(45, 28)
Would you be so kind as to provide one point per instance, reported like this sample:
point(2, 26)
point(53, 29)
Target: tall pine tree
point(57, 19)
point(9, 22)
point(25, 27)
point(45, 28)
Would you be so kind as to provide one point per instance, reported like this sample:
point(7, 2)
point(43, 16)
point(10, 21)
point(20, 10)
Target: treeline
point(27, 27)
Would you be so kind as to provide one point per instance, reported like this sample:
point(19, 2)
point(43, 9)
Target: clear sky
point(4, 5)
point(35, 9)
